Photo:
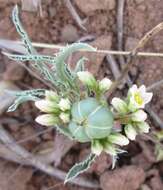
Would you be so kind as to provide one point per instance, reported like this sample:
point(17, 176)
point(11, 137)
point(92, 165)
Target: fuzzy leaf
point(62, 70)
point(20, 100)
point(21, 31)
point(24, 96)
point(80, 168)
point(34, 92)
point(36, 58)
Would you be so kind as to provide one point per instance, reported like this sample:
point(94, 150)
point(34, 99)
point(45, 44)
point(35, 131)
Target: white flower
point(105, 84)
point(96, 147)
point(119, 105)
point(117, 138)
point(86, 78)
point(138, 97)
point(51, 95)
point(130, 132)
point(143, 127)
point(64, 104)
point(47, 120)
point(139, 116)
point(65, 117)
point(47, 106)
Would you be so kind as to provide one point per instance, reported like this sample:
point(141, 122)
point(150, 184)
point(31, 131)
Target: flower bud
point(117, 138)
point(139, 116)
point(105, 84)
point(51, 95)
point(47, 120)
point(119, 105)
point(96, 147)
point(64, 104)
point(130, 132)
point(47, 106)
point(110, 149)
point(87, 78)
point(143, 127)
point(65, 117)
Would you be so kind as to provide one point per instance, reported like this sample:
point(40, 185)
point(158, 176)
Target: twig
point(120, 11)
point(113, 66)
point(74, 14)
point(133, 55)
point(29, 159)
point(111, 52)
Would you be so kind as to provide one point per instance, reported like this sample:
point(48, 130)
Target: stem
point(54, 46)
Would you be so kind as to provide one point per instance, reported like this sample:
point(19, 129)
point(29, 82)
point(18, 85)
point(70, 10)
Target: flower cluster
point(57, 109)
point(130, 111)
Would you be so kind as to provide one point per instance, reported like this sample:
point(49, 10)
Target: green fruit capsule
point(90, 120)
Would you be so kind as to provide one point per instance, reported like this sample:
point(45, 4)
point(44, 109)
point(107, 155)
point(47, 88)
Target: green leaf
point(21, 31)
point(34, 92)
point(62, 70)
point(36, 58)
point(24, 96)
point(79, 168)
point(19, 101)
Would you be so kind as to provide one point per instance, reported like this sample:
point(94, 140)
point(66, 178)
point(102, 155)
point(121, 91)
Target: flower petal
point(117, 138)
point(142, 89)
point(86, 78)
point(47, 106)
point(143, 127)
point(147, 97)
point(47, 120)
point(64, 104)
point(105, 84)
point(119, 105)
point(130, 132)
point(139, 116)
point(133, 89)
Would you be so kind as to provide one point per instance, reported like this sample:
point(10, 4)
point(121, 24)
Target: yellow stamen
point(138, 98)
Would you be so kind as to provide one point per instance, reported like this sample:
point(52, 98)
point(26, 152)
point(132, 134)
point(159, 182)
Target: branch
point(28, 159)
point(58, 47)
point(74, 14)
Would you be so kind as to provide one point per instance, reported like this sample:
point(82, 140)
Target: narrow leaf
point(20, 100)
point(34, 92)
point(36, 58)
point(62, 70)
point(21, 31)
point(80, 168)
